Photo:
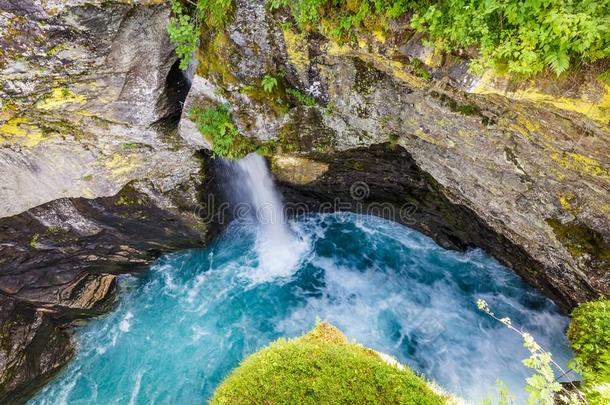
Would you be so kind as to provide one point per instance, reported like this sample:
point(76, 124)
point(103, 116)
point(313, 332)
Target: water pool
point(180, 328)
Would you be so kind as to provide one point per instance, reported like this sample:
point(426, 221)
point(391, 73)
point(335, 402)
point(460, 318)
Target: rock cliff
point(521, 169)
point(95, 181)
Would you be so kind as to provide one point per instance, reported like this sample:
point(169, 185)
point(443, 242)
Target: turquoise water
point(182, 327)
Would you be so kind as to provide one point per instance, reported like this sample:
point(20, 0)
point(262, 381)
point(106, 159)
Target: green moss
point(88, 177)
point(34, 241)
point(604, 76)
point(128, 196)
point(464, 109)
point(55, 233)
point(214, 56)
point(420, 70)
point(56, 49)
point(321, 367)
point(393, 138)
point(589, 335)
point(367, 76)
point(289, 137)
point(274, 99)
point(129, 145)
point(580, 239)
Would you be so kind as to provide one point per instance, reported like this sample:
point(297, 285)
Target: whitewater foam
point(196, 315)
point(279, 250)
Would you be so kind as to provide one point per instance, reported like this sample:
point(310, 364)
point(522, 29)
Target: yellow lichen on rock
point(120, 164)
point(296, 48)
point(581, 164)
point(59, 97)
point(22, 131)
point(598, 111)
point(565, 199)
point(427, 138)
point(393, 68)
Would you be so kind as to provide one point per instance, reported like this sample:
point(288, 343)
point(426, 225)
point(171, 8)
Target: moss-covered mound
point(322, 367)
point(589, 334)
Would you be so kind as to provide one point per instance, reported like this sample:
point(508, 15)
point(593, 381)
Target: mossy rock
point(322, 367)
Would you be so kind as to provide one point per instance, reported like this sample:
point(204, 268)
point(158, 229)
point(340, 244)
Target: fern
point(269, 83)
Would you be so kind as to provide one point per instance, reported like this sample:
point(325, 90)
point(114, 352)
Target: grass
point(589, 335)
point(322, 367)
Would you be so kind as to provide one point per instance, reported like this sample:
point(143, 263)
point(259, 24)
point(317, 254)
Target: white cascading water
point(279, 249)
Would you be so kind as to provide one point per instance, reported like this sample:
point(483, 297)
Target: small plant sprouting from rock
point(543, 386)
point(215, 123)
point(269, 83)
point(184, 33)
point(34, 241)
point(301, 97)
point(188, 18)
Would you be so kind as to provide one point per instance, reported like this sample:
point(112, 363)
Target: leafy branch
point(542, 386)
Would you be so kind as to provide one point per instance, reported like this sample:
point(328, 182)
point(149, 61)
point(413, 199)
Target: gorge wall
point(100, 174)
point(526, 161)
point(95, 180)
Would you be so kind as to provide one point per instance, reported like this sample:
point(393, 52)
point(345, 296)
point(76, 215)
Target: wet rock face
point(32, 348)
point(59, 262)
point(528, 168)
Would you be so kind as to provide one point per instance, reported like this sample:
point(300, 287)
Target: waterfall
point(254, 194)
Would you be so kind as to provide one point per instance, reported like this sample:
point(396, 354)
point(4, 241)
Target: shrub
point(522, 37)
point(543, 386)
point(589, 335)
point(321, 367)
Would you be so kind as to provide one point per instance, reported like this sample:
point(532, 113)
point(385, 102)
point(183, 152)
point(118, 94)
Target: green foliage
point(589, 335)
point(321, 367)
point(183, 31)
point(420, 70)
point(186, 22)
point(506, 397)
point(542, 386)
point(301, 97)
point(604, 76)
point(522, 37)
point(216, 125)
point(269, 83)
